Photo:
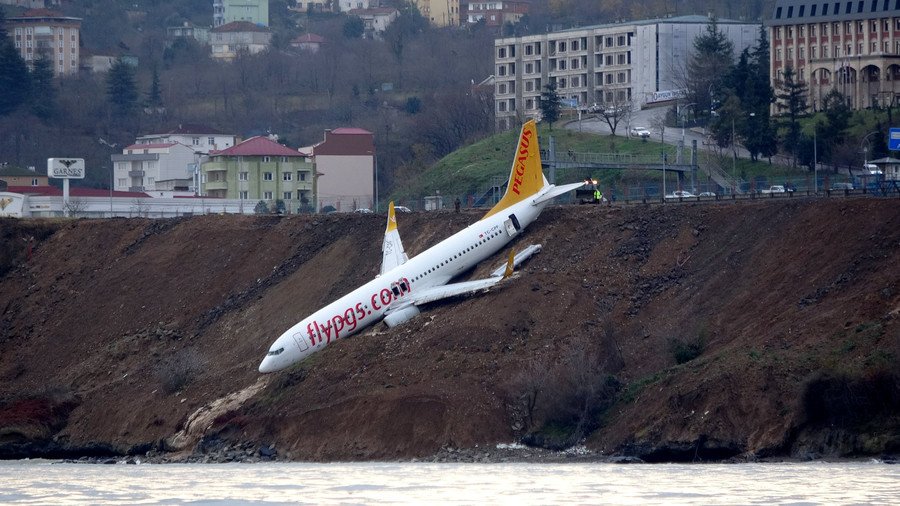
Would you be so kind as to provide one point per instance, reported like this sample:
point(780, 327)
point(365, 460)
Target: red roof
point(74, 191)
point(308, 38)
point(240, 26)
point(257, 146)
point(152, 146)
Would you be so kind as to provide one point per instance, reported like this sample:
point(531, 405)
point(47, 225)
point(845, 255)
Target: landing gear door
point(301, 341)
point(512, 225)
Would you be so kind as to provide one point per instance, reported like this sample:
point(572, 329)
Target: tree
point(550, 104)
point(121, 89)
point(792, 102)
point(42, 98)
point(616, 111)
point(154, 95)
point(354, 27)
point(713, 55)
point(14, 78)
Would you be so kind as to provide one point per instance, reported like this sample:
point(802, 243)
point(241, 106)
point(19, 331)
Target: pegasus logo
point(524, 142)
point(5, 202)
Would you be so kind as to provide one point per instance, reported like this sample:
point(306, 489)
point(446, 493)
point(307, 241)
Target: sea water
point(46, 482)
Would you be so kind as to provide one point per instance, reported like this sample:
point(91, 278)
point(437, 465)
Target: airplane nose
point(267, 365)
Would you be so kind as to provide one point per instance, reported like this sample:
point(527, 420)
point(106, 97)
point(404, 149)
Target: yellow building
point(439, 12)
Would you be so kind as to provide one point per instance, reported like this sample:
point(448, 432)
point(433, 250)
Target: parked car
point(842, 186)
point(402, 209)
point(776, 189)
point(680, 194)
point(363, 210)
point(707, 194)
point(640, 132)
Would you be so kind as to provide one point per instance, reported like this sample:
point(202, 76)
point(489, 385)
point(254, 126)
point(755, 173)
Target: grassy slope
point(470, 169)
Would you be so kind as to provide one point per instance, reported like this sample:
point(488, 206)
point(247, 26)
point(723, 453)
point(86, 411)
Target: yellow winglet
point(526, 177)
point(509, 264)
point(392, 218)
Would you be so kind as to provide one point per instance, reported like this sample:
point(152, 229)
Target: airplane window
point(403, 286)
point(396, 291)
point(272, 353)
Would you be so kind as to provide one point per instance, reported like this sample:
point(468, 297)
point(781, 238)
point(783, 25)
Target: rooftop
point(257, 146)
point(240, 26)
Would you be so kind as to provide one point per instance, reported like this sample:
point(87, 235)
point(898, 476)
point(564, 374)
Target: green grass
point(470, 169)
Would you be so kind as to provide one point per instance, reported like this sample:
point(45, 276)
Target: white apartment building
point(200, 138)
point(635, 62)
point(148, 167)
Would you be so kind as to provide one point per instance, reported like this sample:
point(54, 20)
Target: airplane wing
point(556, 191)
point(392, 253)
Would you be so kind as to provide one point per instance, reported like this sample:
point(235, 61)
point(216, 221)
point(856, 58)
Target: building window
point(561, 46)
point(211, 141)
point(286, 176)
point(243, 176)
point(609, 42)
point(243, 195)
point(195, 141)
point(123, 182)
point(286, 196)
point(267, 159)
point(267, 176)
point(267, 195)
point(301, 175)
point(34, 181)
point(621, 40)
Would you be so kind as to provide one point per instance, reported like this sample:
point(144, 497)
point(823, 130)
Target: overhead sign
point(65, 168)
point(894, 139)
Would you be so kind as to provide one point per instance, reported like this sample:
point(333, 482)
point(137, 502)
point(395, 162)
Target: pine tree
point(43, 89)
point(712, 57)
point(154, 95)
point(792, 101)
point(14, 78)
point(121, 89)
point(550, 104)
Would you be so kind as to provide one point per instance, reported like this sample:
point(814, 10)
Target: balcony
point(136, 173)
point(136, 188)
point(216, 185)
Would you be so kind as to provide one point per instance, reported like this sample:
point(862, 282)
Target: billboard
point(65, 168)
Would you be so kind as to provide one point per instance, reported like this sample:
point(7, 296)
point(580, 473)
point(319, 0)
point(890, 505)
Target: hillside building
point(16, 176)
point(851, 46)
point(494, 13)
point(636, 62)
point(147, 167)
point(260, 169)
point(40, 32)
point(345, 161)
point(252, 11)
point(200, 138)
point(227, 41)
point(375, 20)
point(439, 12)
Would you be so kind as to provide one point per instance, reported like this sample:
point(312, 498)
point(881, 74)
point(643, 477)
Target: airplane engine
point(401, 316)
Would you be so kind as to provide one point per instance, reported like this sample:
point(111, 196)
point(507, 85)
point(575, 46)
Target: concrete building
point(375, 20)
point(187, 30)
point(636, 62)
point(348, 5)
point(851, 46)
point(200, 138)
point(439, 12)
point(261, 169)
point(227, 41)
point(494, 13)
point(309, 42)
point(345, 161)
point(15, 176)
point(42, 32)
point(251, 11)
point(147, 167)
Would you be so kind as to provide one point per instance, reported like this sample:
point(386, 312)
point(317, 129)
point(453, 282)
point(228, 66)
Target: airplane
point(404, 283)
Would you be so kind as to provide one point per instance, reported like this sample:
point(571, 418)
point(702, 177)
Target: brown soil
point(124, 336)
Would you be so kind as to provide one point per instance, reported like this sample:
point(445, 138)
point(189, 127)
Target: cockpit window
point(272, 353)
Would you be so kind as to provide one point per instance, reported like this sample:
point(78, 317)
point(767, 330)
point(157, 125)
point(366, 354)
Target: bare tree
point(616, 111)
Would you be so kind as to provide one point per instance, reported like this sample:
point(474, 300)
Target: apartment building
point(439, 12)
point(849, 45)
point(345, 161)
point(261, 169)
point(251, 11)
point(229, 40)
point(636, 62)
point(494, 13)
point(40, 32)
point(148, 167)
point(200, 138)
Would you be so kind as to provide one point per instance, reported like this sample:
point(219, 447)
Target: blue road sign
point(894, 139)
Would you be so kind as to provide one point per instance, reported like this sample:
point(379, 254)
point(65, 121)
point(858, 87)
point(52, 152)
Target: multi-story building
point(40, 32)
point(229, 40)
point(439, 12)
point(187, 30)
point(637, 63)
point(200, 138)
point(146, 167)
point(851, 46)
point(494, 13)
point(261, 169)
point(375, 20)
point(229, 11)
point(345, 161)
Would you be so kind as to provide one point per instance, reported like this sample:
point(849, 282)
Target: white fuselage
point(367, 304)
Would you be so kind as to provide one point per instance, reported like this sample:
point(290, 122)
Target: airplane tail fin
point(525, 177)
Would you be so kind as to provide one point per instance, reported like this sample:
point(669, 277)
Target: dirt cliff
point(670, 333)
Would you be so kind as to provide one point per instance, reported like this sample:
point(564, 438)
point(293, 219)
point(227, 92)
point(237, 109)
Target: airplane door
point(512, 225)
point(300, 339)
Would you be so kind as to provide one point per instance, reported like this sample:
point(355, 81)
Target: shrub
point(685, 350)
point(178, 371)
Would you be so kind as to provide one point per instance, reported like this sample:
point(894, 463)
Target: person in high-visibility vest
point(598, 197)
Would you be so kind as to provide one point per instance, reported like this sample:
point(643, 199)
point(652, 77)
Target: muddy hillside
point(669, 333)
